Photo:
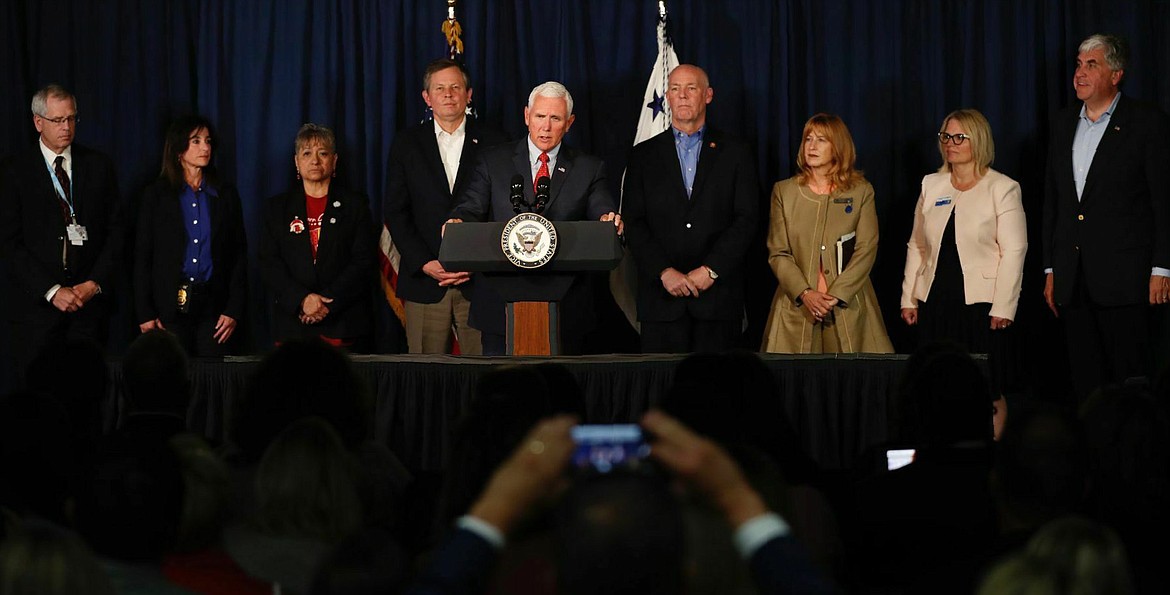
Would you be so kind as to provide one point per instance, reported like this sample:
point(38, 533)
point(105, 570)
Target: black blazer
point(1120, 228)
point(160, 246)
point(713, 227)
point(577, 192)
point(32, 229)
point(418, 200)
point(345, 270)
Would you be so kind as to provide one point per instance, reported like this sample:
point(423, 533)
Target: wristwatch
point(711, 273)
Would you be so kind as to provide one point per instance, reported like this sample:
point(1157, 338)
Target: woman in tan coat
point(822, 242)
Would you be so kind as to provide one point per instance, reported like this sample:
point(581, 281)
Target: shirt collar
point(534, 152)
point(205, 188)
point(50, 156)
point(459, 130)
point(1106, 114)
point(693, 137)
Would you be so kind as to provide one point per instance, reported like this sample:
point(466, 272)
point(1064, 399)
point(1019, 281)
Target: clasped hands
point(72, 299)
point(689, 285)
point(314, 308)
point(817, 304)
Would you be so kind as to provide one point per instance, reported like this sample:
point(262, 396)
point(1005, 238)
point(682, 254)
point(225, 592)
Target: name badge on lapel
point(847, 201)
point(946, 200)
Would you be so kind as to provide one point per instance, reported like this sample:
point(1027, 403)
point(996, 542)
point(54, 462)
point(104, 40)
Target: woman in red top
point(317, 251)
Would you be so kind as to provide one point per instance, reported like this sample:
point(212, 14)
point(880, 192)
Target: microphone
point(541, 193)
point(517, 196)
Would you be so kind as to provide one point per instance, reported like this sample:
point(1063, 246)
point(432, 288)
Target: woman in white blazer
point(965, 257)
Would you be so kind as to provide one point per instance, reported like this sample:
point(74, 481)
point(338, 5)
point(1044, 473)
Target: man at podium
point(554, 180)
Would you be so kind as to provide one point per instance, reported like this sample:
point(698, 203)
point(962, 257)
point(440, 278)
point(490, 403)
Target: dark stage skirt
point(946, 317)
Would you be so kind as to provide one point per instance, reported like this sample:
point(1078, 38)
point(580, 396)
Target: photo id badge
point(77, 234)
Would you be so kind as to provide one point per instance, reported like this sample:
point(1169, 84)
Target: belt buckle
point(182, 300)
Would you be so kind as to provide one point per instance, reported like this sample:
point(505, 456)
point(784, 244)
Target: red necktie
point(542, 172)
point(63, 178)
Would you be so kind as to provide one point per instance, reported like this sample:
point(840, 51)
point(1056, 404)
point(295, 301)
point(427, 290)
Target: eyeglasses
point(62, 119)
point(957, 139)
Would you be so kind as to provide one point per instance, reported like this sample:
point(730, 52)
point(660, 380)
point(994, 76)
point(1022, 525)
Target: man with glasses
point(61, 234)
point(1106, 220)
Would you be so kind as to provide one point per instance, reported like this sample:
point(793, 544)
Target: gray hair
point(311, 132)
point(41, 98)
point(1116, 50)
point(551, 89)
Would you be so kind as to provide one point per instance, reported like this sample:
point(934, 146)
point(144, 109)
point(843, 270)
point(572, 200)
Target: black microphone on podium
point(541, 193)
point(517, 196)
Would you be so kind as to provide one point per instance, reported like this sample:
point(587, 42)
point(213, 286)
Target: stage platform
point(837, 404)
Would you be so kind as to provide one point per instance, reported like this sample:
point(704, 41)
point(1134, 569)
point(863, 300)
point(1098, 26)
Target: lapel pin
point(1117, 128)
point(336, 203)
point(296, 226)
point(475, 141)
point(561, 169)
point(711, 144)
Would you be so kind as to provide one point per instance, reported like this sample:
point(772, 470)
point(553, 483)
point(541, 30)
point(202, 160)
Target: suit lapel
point(294, 210)
point(335, 209)
point(1107, 148)
point(672, 169)
point(467, 158)
point(520, 162)
point(215, 210)
point(43, 182)
point(709, 151)
point(77, 189)
point(560, 174)
point(434, 158)
point(170, 217)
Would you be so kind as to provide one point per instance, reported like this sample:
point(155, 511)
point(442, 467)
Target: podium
point(531, 294)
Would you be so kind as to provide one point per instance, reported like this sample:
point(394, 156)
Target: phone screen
point(606, 447)
point(899, 457)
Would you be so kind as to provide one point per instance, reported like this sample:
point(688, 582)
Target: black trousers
point(1106, 344)
point(35, 331)
point(195, 329)
point(688, 335)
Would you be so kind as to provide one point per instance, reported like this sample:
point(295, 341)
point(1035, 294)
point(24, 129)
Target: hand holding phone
point(603, 448)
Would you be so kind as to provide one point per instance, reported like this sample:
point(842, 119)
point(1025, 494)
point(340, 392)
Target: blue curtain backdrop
point(260, 68)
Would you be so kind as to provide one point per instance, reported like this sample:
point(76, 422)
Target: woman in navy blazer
point(965, 257)
point(190, 252)
point(318, 253)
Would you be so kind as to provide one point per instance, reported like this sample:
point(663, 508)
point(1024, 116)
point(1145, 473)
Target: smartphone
point(605, 447)
point(896, 458)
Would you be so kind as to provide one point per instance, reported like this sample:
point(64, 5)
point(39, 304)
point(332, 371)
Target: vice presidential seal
point(529, 241)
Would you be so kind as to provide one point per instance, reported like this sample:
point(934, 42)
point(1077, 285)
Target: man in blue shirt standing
point(1106, 220)
point(690, 205)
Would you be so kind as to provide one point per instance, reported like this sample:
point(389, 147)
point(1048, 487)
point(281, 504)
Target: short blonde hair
point(975, 126)
point(843, 172)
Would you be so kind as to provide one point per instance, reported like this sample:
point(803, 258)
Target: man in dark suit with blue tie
point(690, 201)
point(577, 192)
point(429, 164)
point(1107, 220)
point(62, 233)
